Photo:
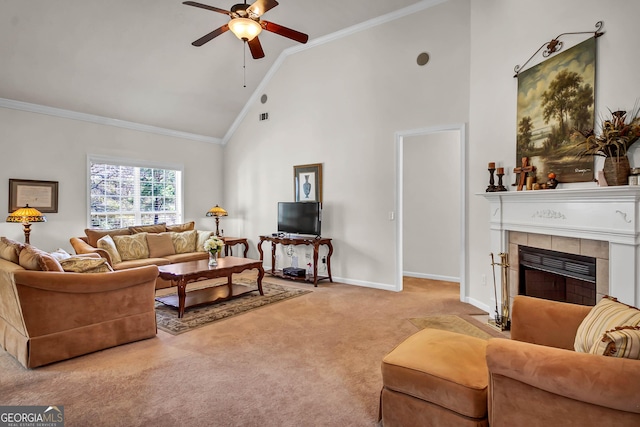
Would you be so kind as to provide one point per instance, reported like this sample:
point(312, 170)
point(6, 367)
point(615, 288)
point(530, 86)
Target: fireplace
point(600, 223)
point(557, 276)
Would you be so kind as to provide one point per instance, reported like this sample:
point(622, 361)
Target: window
point(123, 194)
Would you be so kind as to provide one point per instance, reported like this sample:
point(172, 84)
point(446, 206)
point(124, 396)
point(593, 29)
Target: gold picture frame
point(307, 183)
point(42, 195)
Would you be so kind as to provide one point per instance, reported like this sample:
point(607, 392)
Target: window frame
point(138, 163)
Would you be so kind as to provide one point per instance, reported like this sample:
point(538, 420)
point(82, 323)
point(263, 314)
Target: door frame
point(399, 137)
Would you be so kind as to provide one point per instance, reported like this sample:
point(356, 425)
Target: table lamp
point(217, 212)
point(26, 216)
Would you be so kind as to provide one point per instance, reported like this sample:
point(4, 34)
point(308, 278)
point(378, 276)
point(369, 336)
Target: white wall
point(431, 211)
point(506, 33)
point(340, 104)
point(42, 147)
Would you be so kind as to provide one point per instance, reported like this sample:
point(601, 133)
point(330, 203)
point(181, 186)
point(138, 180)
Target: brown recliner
point(434, 378)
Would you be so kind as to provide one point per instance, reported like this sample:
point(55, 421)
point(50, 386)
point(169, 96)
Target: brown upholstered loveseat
point(157, 244)
point(440, 378)
point(49, 316)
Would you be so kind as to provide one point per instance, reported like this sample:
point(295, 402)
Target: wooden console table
point(315, 242)
point(232, 241)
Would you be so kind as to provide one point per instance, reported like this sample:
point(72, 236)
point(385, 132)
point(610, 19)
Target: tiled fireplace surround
point(603, 223)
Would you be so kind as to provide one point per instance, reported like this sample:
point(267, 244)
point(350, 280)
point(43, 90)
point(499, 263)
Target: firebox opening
point(557, 276)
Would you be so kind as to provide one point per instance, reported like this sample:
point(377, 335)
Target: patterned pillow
point(107, 243)
point(133, 246)
point(86, 265)
point(153, 228)
point(32, 258)
point(184, 242)
point(160, 245)
point(178, 228)
point(604, 316)
point(10, 250)
point(202, 237)
point(619, 342)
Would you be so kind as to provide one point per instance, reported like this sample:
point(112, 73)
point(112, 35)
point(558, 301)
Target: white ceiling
point(133, 59)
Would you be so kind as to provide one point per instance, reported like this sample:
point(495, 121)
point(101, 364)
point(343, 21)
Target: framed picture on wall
point(307, 183)
point(556, 98)
point(42, 195)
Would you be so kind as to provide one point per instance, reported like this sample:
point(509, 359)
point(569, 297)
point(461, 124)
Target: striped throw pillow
point(619, 342)
point(605, 316)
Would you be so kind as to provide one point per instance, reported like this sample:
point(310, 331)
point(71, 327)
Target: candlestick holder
point(500, 187)
point(491, 188)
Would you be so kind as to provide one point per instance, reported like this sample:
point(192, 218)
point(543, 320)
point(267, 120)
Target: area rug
point(451, 323)
point(196, 317)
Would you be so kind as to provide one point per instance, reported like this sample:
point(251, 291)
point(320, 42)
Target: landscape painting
point(556, 98)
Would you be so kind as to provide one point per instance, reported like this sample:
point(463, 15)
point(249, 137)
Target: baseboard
point(474, 302)
point(431, 276)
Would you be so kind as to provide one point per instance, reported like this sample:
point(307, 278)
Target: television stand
point(312, 241)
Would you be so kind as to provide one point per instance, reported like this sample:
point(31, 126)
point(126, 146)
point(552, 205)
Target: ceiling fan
point(246, 24)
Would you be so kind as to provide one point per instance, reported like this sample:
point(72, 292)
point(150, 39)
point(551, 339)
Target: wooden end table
point(232, 241)
point(184, 273)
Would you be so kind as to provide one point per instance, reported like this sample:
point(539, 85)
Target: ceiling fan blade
point(261, 6)
point(213, 34)
point(256, 48)
point(285, 32)
point(204, 6)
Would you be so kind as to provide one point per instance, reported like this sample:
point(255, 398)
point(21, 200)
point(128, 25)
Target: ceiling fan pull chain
point(244, 65)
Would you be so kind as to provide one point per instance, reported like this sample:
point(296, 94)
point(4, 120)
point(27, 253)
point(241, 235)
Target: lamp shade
point(217, 211)
point(26, 215)
point(245, 28)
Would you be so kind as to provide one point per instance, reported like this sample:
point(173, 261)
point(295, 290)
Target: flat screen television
point(299, 217)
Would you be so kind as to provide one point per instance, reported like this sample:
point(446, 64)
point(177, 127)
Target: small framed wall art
point(42, 195)
point(307, 183)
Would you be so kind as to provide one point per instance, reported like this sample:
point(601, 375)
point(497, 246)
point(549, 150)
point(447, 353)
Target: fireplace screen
point(557, 276)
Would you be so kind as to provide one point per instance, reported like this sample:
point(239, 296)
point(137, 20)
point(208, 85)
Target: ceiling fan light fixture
point(245, 28)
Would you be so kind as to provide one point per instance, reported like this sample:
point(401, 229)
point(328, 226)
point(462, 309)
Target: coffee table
point(183, 273)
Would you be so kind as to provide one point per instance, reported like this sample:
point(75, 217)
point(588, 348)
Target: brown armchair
point(536, 379)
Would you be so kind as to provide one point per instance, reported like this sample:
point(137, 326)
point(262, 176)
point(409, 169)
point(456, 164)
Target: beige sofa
point(157, 244)
point(440, 378)
point(48, 315)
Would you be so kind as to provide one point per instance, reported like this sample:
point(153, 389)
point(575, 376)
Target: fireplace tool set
point(501, 322)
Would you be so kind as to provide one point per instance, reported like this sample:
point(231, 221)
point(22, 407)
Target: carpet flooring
point(197, 317)
point(450, 322)
point(307, 361)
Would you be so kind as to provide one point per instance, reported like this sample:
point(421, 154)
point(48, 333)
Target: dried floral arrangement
point(618, 133)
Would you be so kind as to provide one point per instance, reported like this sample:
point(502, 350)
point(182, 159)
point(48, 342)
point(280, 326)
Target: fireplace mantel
point(608, 214)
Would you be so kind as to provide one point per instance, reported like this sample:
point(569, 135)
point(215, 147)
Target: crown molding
point(74, 115)
point(397, 14)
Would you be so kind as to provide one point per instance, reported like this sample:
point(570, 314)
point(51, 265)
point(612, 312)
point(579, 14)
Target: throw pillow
point(184, 242)
point(60, 254)
point(10, 250)
point(178, 228)
point(107, 243)
point(202, 237)
point(160, 245)
point(619, 342)
point(86, 265)
point(94, 234)
point(32, 258)
point(153, 228)
point(604, 316)
point(133, 246)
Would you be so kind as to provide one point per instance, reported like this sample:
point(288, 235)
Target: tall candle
point(500, 171)
point(492, 165)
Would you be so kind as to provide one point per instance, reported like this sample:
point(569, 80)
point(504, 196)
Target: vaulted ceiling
point(133, 60)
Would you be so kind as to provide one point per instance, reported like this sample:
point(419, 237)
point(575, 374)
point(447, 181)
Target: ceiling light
point(245, 28)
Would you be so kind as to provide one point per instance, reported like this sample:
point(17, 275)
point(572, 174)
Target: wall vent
point(263, 117)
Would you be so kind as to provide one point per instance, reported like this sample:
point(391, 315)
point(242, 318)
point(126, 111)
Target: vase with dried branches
point(618, 133)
